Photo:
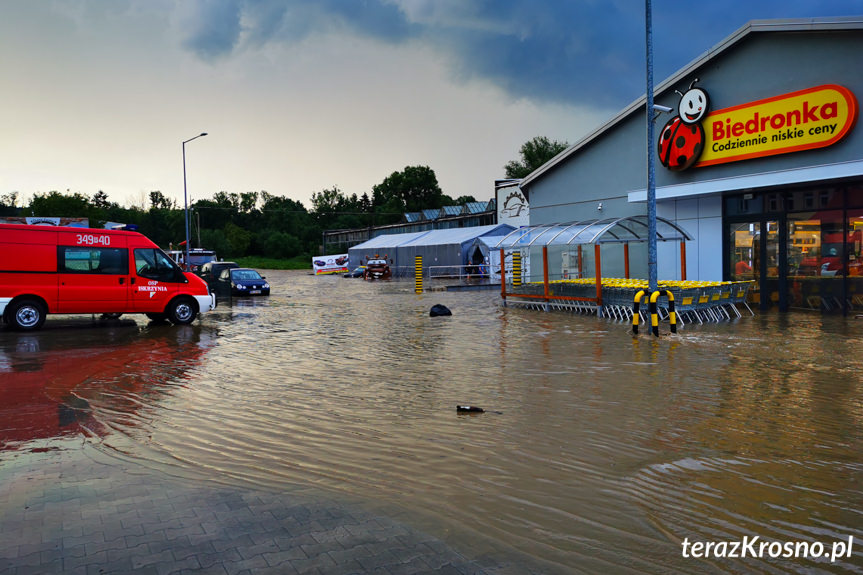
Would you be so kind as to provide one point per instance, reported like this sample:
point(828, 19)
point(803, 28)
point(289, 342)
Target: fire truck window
point(78, 260)
point(154, 264)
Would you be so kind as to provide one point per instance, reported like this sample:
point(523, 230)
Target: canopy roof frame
point(607, 227)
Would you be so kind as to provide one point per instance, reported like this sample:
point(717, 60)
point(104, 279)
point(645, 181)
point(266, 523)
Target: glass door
point(754, 254)
point(819, 259)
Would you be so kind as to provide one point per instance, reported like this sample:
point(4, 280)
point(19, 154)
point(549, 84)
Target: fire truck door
point(92, 279)
point(155, 281)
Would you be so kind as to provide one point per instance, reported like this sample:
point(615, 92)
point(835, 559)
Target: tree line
point(265, 224)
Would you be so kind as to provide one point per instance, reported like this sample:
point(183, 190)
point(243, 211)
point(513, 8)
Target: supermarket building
point(760, 160)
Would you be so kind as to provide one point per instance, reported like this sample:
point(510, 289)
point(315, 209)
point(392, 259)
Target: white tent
point(440, 249)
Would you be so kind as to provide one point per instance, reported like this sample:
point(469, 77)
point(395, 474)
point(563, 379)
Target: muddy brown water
point(607, 452)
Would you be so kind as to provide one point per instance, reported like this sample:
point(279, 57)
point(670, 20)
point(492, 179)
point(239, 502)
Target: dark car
point(245, 281)
point(356, 272)
point(211, 271)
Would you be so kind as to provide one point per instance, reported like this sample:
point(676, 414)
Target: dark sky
point(581, 52)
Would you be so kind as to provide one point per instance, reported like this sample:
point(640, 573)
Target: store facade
point(760, 160)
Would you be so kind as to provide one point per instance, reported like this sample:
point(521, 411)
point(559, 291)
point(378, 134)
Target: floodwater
point(598, 452)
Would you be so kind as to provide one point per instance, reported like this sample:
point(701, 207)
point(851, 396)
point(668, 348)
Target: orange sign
point(804, 120)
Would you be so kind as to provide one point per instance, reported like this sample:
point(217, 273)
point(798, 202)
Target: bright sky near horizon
point(299, 96)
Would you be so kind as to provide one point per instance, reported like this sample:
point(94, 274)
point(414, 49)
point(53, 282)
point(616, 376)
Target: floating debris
point(469, 409)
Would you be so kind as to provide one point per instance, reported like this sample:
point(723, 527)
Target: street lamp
point(186, 196)
point(652, 280)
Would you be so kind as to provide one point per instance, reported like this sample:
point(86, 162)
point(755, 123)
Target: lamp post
point(652, 279)
point(186, 197)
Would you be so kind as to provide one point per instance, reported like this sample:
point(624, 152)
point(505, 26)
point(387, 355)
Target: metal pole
point(186, 198)
point(651, 163)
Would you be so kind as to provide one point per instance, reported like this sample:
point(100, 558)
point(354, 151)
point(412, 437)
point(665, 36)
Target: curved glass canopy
point(611, 230)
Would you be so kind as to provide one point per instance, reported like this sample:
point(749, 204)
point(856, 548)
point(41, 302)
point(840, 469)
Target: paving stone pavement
point(64, 513)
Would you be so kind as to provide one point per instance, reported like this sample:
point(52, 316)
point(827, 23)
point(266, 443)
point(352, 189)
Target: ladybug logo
point(682, 139)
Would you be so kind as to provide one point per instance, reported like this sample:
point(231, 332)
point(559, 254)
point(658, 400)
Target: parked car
point(245, 281)
point(211, 271)
point(356, 272)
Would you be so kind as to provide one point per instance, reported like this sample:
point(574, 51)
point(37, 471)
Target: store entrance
point(756, 250)
point(802, 247)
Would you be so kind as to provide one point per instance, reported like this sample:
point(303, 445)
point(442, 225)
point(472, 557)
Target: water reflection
point(61, 382)
point(608, 450)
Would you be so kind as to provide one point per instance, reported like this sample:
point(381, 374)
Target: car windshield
point(245, 275)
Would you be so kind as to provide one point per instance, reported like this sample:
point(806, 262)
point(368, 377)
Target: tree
point(8, 203)
point(100, 200)
point(56, 204)
point(158, 201)
point(534, 153)
point(411, 190)
point(238, 239)
point(462, 200)
point(328, 202)
point(248, 201)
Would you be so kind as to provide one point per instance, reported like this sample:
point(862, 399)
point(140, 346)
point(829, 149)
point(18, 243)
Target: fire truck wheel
point(182, 311)
point(27, 314)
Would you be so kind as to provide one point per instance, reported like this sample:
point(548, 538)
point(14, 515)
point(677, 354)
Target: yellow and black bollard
point(672, 317)
point(418, 274)
point(516, 269)
point(654, 316)
point(636, 316)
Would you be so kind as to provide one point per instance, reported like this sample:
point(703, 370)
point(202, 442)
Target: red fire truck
point(47, 270)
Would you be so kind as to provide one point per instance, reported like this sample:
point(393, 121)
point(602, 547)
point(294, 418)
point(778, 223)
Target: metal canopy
point(612, 230)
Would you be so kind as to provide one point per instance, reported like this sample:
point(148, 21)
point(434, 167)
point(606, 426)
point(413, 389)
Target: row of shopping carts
point(694, 301)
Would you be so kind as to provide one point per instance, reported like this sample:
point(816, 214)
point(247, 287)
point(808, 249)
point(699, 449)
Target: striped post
point(672, 316)
point(654, 316)
point(516, 269)
point(418, 274)
point(636, 316)
point(503, 276)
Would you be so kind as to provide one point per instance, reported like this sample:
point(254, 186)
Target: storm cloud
point(587, 52)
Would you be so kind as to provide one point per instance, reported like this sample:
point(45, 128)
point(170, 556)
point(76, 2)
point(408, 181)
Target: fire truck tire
point(26, 314)
point(182, 311)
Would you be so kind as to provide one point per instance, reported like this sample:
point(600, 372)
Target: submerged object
point(439, 309)
point(469, 409)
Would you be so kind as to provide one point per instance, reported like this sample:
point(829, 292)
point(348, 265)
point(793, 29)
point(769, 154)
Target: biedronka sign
point(813, 118)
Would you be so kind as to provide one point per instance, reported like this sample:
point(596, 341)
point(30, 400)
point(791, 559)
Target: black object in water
point(469, 409)
point(439, 309)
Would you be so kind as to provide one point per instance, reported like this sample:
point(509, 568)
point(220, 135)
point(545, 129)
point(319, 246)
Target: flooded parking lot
point(597, 452)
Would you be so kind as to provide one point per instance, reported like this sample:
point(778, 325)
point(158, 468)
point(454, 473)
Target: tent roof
point(611, 230)
point(433, 237)
point(387, 240)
